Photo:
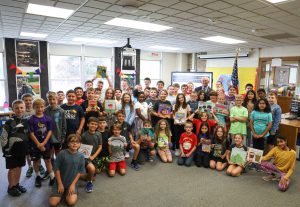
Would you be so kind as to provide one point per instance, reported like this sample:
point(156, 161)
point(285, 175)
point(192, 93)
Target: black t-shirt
point(73, 115)
point(151, 103)
point(89, 114)
point(105, 136)
point(126, 130)
point(220, 147)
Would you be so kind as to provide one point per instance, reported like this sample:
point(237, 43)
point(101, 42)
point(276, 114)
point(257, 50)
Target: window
point(90, 67)
point(68, 72)
point(151, 69)
point(64, 72)
point(3, 96)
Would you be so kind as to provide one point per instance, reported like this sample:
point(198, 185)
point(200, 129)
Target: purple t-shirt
point(40, 126)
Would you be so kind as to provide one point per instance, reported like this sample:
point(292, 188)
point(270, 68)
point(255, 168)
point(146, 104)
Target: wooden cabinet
point(285, 103)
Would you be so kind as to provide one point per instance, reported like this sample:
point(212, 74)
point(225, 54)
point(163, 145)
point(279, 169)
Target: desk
point(289, 129)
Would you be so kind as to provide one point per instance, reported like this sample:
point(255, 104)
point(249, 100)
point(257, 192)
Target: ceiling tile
point(217, 5)
point(164, 2)
point(169, 11)
point(183, 6)
point(200, 10)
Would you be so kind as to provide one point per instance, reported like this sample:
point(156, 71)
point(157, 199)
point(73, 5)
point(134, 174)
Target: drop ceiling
point(248, 20)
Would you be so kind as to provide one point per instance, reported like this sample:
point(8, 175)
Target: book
point(217, 150)
point(180, 118)
point(147, 132)
point(101, 71)
point(86, 150)
point(254, 155)
point(165, 109)
point(110, 106)
point(206, 147)
point(238, 156)
point(220, 108)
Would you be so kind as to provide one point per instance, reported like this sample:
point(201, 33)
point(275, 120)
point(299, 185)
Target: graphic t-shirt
point(151, 103)
point(117, 148)
point(73, 116)
point(40, 126)
point(162, 141)
point(188, 141)
point(260, 121)
point(220, 147)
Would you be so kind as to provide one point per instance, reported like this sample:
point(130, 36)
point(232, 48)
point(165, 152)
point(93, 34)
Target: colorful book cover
point(165, 109)
point(180, 118)
point(254, 155)
point(101, 71)
point(147, 132)
point(206, 146)
point(86, 150)
point(217, 150)
point(110, 106)
point(238, 156)
point(220, 108)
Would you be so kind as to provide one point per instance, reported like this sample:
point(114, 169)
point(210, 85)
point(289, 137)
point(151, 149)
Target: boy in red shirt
point(188, 142)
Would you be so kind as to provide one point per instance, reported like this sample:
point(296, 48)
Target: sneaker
point(177, 152)
point(21, 188)
point(135, 165)
point(269, 178)
point(127, 155)
point(13, 191)
point(51, 181)
point(46, 176)
point(38, 181)
point(29, 172)
point(42, 170)
point(89, 187)
point(151, 159)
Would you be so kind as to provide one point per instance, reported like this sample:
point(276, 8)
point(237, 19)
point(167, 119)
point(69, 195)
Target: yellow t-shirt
point(285, 160)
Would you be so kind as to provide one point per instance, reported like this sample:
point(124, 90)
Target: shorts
point(36, 154)
point(218, 159)
point(54, 192)
point(94, 162)
point(114, 165)
point(13, 162)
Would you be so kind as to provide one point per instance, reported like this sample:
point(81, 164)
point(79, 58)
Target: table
point(289, 129)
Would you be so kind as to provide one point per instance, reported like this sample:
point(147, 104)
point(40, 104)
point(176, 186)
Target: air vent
point(279, 36)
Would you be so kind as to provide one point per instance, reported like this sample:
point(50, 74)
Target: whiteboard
point(194, 77)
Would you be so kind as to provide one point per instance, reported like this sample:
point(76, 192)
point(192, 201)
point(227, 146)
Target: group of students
point(55, 132)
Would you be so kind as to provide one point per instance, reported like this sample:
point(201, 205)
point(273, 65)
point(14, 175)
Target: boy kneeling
point(69, 167)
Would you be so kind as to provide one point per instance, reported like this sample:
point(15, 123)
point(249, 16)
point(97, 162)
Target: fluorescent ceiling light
point(31, 34)
point(50, 11)
point(225, 40)
point(159, 47)
point(137, 24)
point(93, 40)
point(276, 1)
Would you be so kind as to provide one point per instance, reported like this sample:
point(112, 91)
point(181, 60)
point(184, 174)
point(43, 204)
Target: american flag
point(234, 75)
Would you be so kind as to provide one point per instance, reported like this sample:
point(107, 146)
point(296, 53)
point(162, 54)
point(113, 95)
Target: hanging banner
point(27, 55)
point(28, 84)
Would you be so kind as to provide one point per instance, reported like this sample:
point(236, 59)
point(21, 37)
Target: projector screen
point(194, 77)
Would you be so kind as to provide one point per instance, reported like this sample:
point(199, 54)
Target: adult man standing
point(204, 87)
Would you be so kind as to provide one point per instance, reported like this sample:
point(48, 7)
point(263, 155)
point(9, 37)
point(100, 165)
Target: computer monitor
point(295, 107)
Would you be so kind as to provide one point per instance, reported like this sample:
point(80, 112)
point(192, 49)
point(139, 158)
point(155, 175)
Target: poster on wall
point(194, 77)
point(28, 84)
point(225, 80)
point(128, 60)
point(27, 55)
point(282, 75)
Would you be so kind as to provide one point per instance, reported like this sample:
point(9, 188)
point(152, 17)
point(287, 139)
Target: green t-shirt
point(237, 126)
point(162, 141)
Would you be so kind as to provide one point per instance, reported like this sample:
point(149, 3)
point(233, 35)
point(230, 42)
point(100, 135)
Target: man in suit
point(204, 87)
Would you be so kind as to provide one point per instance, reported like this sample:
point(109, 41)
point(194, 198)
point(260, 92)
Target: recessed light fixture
point(160, 47)
point(137, 24)
point(93, 40)
point(225, 40)
point(31, 34)
point(49, 11)
point(276, 1)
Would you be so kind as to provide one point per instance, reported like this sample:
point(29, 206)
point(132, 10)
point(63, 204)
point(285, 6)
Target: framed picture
point(194, 77)
point(27, 55)
point(28, 84)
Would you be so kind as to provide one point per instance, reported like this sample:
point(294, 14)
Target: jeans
point(187, 161)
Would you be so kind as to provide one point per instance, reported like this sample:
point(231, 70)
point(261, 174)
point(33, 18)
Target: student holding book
point(109, 97)
point(202, 152)
point(163, 137)
point(283, 164)
point(142, 113)
point(220, 146)
point(181, 110)
point(236, 162)
point(162, 109)
point(188, 143)
point(260, 123)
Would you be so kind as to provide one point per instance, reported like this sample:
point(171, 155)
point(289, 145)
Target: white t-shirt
point(143, 108)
